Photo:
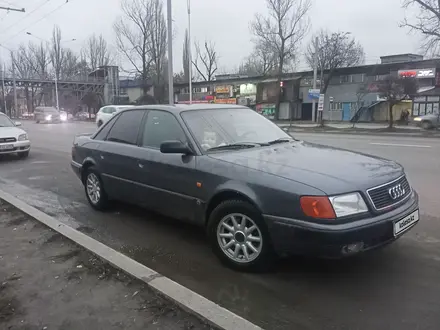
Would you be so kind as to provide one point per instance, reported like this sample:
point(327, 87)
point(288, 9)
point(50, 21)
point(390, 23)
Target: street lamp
point(170, 54)
point(56, 78)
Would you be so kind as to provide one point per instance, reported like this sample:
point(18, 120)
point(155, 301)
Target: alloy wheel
point(239, 238)
point(93, 188)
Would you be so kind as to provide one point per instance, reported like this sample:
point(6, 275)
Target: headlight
point(417, 119)
point(23, 137)
point(63, 117)
point(349, 204)
point(48, 117)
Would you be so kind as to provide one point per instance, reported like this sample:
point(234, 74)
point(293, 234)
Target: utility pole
point(15, 84)
point(3, 85)
point(189, 53)
point(170, 54)
point(12, 9)
point(315, 76)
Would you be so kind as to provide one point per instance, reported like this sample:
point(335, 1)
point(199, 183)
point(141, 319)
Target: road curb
point(190, 301)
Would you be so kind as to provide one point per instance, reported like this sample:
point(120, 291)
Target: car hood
point(329, 169)
point(10, 132)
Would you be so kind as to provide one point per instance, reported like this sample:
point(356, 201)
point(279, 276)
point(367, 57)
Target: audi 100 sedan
point(258, 192)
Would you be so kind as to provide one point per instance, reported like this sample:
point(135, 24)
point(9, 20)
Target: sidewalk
point(360, 128)
point(48, 282)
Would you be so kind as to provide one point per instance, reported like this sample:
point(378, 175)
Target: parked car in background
point(47, 115)
point(13, 140)
point(105, 113)
point(428, 121)
point(257, 191)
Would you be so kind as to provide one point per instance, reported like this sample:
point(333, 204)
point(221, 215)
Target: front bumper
point(76, 167)
point(17, 147)
point(290, 236)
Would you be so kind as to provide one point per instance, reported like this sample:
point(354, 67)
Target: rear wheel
point(239, 237)
point(94, 188)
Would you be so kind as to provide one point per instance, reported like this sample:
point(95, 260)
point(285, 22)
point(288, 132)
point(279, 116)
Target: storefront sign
point(222, 89)
point(418, 73)
point(248, 89)
point(226, 101)
point(267, 110)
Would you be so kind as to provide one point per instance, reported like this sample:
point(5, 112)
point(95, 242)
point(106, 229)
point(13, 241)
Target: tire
point(426, 125)
point(23, 155)
point(37, 121)
point(98, 201)
point(258, 262)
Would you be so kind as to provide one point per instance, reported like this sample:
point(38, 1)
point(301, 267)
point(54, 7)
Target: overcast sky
point(374, 23)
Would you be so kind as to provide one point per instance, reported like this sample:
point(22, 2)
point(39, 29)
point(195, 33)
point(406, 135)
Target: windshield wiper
point(282, 140)
point(237, 145)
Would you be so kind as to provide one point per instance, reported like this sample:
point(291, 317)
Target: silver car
point(47, 115)
point(428, 121)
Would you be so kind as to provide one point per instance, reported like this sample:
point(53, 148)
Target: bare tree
point(71, 65)
point(208, 60)
point(96, 52)
point(141, 38)
point(40, 54)
point(24, 62)
point(185, 57)
point(282, 30)
point(426, 22)
point(57, 52)
point(395, 90)
point(334, 50)
point(261, 62)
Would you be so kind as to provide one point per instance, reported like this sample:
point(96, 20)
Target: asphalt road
point(394, 288)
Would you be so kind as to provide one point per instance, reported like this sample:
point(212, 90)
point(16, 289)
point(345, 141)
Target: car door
point(169, 178)
point(118, 159)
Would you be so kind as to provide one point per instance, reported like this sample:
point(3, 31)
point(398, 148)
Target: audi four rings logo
point(396, 191)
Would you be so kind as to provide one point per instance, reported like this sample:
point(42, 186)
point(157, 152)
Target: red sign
point(408, 74)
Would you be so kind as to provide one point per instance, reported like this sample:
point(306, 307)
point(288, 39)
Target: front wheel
point(426, 125)
point(94, 188)
point(239, 237)
point(23, 155)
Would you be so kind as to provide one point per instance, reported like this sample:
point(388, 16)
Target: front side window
point(215, 128)
point(126, 127)
point(161, 126)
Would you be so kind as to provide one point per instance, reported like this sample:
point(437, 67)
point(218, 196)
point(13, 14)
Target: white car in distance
point(13, 140)
point(105, 113)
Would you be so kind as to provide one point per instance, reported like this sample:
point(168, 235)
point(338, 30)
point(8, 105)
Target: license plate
point(6, 147)
point(402, 225)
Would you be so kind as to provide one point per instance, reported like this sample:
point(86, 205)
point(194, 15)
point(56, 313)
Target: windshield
point(50, 111)
point(5, 121)
point(216, 128)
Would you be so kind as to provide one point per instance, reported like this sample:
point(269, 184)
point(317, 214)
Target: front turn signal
point(318, 207)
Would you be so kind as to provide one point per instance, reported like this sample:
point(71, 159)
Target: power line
point(41, 4)
point(12, 9)
point(37, 21)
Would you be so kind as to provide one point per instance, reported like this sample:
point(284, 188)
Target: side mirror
point(175, 147)
point(17, 123)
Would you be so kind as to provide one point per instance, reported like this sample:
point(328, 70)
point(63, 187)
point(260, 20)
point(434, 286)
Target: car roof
point(179, 108)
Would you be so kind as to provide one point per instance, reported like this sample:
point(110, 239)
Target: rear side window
point(126, 127)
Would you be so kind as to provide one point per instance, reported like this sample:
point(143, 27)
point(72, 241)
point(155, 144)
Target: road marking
point(190, 301)
point(401, 145)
